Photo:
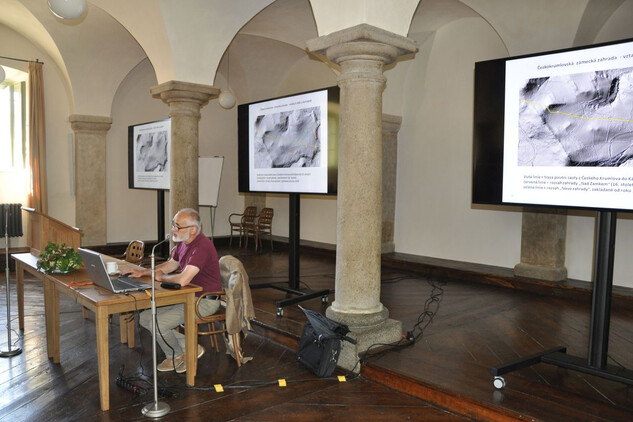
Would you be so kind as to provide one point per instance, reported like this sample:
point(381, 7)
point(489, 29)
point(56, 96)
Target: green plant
point(57, 257)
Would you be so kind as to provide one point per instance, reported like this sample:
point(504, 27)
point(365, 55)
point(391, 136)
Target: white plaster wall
point(581, 227)
point(218, 137)
point(131, 213)
point(434, 216)
point(579, 246)
point(392, 16)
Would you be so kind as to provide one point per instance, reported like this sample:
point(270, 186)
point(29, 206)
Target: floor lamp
point(16, 230)
point(155, 409)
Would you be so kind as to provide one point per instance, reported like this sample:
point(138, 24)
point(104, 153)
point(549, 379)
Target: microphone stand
point(17, 351)
point(156, 409)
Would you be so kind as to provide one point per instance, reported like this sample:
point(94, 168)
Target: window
point(13, 126)
point(15, 171)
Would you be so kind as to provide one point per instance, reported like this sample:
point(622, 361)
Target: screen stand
point(596, 362)
point(160, 218)
point(293, 287)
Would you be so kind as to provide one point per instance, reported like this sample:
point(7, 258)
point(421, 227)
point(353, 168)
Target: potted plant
point(58, 258)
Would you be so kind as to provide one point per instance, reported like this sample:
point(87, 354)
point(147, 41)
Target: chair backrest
point(250, 214)
point(134, 252)
point(266, 217)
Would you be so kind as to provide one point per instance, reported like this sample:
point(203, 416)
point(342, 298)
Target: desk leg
point(103, 357)
point(19, 287)
point(191, 342)
point(130, 330)
point(126, 325)
point(123, 327)
point(51, 306)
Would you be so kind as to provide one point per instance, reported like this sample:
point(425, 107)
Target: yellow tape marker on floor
point(218, 388)
point(282, 382)
point(341, 378)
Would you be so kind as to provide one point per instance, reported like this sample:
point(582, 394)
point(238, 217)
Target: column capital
point(176, 91)
point(391, 124)
point(87, 123)
point(362, 42)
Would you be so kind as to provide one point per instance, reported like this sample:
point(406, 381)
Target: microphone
point(155, 409)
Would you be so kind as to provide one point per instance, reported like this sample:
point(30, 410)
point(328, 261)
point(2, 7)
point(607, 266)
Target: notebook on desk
point(99, 275)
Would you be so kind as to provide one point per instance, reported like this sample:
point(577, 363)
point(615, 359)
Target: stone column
point(255, 200)
point(390, 128)
point(543, 237)
point(361, 52)
point(185, 101)
point(90, 176)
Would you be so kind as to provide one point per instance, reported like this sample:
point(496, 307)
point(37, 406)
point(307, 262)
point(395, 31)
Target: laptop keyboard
point(123, 282)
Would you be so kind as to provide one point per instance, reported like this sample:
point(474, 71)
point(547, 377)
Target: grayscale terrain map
point(151, 152)
point(288, 139)
point(583, 119)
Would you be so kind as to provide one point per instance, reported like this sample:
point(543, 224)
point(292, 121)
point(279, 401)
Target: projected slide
point(569, 128)
point(286, 139)
point(149, 155)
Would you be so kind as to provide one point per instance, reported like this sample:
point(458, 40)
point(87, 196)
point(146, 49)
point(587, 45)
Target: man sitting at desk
point(196, 257)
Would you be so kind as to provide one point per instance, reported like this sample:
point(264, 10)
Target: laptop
point(99, 275)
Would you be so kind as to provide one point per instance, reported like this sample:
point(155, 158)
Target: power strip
point(126, 385)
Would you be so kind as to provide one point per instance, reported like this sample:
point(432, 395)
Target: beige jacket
point(239, 304)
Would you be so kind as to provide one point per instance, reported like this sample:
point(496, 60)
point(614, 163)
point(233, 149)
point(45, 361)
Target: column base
point(367, 330)
point(389, 331)
point(540, 272)
point(388, 247)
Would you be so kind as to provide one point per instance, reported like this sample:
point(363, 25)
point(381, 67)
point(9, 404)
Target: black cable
point(423, 321)
point(142, 381)
point(137, 316)
point(257, 384)
point(431, 307)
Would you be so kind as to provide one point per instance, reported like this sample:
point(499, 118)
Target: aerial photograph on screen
point(583, 119)
point(288, 139)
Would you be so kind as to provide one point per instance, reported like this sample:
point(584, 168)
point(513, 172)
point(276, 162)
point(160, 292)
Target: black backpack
point(320, 343)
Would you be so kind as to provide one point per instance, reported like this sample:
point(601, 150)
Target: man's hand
point(137, 273)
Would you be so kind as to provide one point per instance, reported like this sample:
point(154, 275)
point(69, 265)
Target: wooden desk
point(27, 262)
point(104, 303)
point(24, 262)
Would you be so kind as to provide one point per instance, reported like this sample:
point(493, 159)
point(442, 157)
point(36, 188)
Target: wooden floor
point(465, 327)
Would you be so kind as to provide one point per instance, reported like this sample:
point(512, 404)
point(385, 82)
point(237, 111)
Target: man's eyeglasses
point(178, 226)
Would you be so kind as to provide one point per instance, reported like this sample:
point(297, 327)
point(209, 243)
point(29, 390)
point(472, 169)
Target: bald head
point(190, 217)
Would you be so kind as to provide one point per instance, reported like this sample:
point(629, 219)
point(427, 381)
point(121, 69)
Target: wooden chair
point(235, 312)
point(263, 225)
point(135, 252)
point(239, 221)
